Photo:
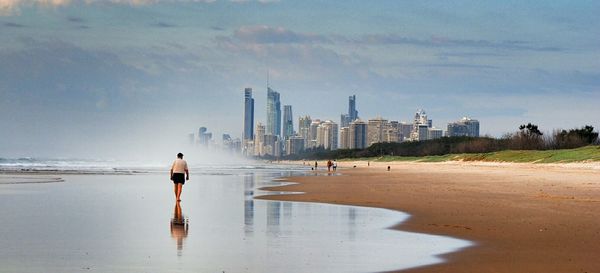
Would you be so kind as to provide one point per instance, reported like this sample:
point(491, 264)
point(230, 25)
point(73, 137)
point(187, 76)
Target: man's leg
point(179, 188)
point(175, 188)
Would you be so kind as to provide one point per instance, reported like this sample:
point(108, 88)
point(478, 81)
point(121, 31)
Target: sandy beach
point(522, 217)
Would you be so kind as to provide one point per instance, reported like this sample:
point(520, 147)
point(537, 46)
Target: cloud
point(164, 25)
point(259, 1)
point(262, 34)
point(461, 65)
point(11, 24)
point(472, 54)
point(438, 41)
point(59, 74)
point(75, 19)
point(10, 7)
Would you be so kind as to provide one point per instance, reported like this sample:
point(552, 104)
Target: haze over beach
point(109, 78)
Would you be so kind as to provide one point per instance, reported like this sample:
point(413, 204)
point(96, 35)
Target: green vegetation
point(583, 154)
point(528, 144)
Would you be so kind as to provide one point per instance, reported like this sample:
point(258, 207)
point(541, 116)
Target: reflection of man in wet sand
point(179, 174)
point(179, 226)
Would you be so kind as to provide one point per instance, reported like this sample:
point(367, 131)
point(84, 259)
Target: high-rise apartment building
point(422, 132)
point(288, 122)
point(294, 145)
point(464, 127)
point(272, 145)
point(357, 134)
point(392, 133)
point(259, 139)
point(376, 130)
point(434, 133)
point(423, 128)
point(327, 135)
point(404, 130)
point(312, 133)
point(204, 137)
point(273, 112)
point(344, 120)
point(248, 115)
point(304, 129)
point(344, 138)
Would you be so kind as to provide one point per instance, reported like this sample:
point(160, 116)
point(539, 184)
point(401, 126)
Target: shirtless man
point(179, 174)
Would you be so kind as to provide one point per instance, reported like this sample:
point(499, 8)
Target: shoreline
point(521, 217)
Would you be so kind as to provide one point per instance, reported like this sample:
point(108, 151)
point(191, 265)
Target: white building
point(327, 135)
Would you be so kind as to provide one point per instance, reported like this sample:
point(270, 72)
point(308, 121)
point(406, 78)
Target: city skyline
point(103, 76)
point(353, 133)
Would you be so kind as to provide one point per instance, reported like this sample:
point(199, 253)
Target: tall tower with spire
point(273, 112)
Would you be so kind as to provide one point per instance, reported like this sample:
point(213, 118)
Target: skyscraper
point(248, 115)
point(352, 115)
point(376, 130)
point(204, 137)
point(288, 122)
point(344, 120)
point(358, 135)
point(273, 113)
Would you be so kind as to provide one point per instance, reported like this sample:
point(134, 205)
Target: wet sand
point(522, 217)
point(131, 223)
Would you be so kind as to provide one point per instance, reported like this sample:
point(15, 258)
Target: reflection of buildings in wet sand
point(248, 203)
point(273, 217)
point(351, 223)
point(179, 227)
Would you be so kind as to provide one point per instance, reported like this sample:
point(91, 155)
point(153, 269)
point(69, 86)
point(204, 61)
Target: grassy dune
point(584, 154)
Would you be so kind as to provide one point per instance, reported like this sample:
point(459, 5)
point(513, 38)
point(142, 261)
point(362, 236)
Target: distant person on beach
point(334, 165)
point(316, 164)
point(329, 164)
point(179, 174)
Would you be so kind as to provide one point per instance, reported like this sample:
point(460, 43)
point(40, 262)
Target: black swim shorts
point(178, 178)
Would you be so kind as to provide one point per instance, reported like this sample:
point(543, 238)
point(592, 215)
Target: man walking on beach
point(179, 174)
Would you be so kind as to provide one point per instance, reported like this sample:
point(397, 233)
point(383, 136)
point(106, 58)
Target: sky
point(103, 78)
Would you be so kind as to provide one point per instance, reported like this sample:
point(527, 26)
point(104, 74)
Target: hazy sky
point(106, 77)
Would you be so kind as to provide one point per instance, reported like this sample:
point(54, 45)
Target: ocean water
point(109, 221)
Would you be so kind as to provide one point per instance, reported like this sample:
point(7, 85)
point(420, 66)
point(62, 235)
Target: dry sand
point(522, 217)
